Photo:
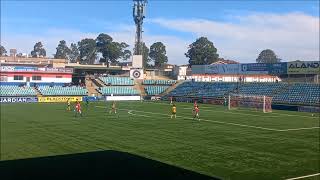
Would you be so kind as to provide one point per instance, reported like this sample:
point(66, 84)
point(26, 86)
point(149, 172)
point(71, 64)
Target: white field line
point(301, 177)
point(235, 124)
point(228, 112)
point(220, 122)
point(297, 129)
point(130, 112)
point(279, 114)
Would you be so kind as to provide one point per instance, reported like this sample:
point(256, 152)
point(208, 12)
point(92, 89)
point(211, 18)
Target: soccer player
point(194, 104)
point(174, 111)
point(171, 100)
point(78, 109)
point(87, 102)
point(196, 113)
point(68, 105)
point(113, 108)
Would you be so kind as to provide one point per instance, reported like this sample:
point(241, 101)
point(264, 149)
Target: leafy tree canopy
point(267, 56)
point(3, 51)
point(157, 54)
point(202, 51)
point(38, 50)
point(63, 50)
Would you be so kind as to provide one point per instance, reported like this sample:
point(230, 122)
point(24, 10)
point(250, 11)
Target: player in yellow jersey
point(68, 105)
point(174, 111)
point(113, 108)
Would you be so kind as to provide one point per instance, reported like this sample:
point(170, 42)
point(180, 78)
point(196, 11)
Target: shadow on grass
point(93, 165)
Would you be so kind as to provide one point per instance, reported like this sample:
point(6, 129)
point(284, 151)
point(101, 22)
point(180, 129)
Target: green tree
point(267, 56)
point(111, 51)
point(88, 51)
point(202, 51)
point(3, 51)
point(38, 50)
point(158, 53)
point(74, 53)
point(63, 50)
point(145, 55)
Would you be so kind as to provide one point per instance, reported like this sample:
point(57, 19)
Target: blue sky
point(239, 29)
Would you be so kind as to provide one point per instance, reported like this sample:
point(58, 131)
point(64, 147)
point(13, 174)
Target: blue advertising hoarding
point(249, 68)
point(91, 98)
point(18, 99)
point(254, 68)
point(277, 68)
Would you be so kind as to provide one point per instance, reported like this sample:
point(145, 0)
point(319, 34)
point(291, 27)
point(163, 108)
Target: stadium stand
point(117, 81)
point(9, 90)
point(297, 93)
point(266, 89)
point(155, 90)
point(118, 90)
point(60, 90)
point(200, 89)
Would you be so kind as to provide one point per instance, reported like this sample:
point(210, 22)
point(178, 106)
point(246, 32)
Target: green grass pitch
point(236, 144)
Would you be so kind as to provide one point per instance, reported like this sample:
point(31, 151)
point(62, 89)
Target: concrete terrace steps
point(37, 91)
point(140, 87)
point(92, 87)
point(98, 83)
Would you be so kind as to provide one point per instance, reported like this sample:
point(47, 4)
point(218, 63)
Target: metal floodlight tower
point(139, 12)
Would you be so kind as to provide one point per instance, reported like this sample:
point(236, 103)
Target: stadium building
point(40, 77)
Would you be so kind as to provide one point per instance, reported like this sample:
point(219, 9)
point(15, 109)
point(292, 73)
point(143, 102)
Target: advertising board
point(222, 69)
point(91, 98)
point(254, 68)
point(18, 99)
point(59, 98)
point(31, 69)
point(277, 68)
point(303, 67)
point(123, 98)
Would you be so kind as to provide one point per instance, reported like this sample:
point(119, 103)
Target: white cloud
point(292, 36)
point(24, 42)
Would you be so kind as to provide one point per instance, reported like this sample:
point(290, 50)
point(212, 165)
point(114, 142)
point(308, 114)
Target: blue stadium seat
point(298, 93)
point(117, 81)
point(118, 90)
point(10, 90)
point(61, 91)
point(155, 90)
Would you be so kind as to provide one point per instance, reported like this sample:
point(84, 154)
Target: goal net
point(245, 101)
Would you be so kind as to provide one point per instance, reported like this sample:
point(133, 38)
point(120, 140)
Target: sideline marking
point(300, 177)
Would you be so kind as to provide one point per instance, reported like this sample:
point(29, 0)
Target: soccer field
point(237, 144)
